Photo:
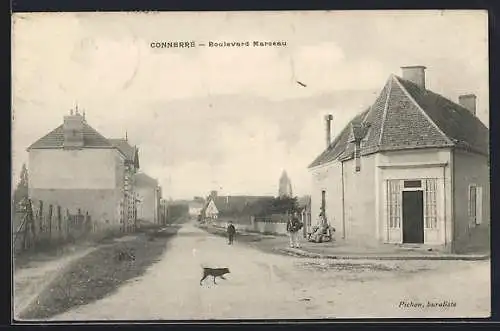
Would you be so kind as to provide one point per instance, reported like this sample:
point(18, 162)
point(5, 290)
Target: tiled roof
point(55, 139)
point(234, 203)
point(405, 116)
point(124, 147)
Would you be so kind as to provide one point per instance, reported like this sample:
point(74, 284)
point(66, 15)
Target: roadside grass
point(99, 274)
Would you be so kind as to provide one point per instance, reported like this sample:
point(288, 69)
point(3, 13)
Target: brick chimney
point(73, 130)
point(328, 121)
point(468, 101)
point(415, 74)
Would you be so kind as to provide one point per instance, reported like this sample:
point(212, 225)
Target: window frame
point(476, 206)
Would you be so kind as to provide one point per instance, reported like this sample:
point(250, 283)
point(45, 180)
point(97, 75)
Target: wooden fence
point(37, 224)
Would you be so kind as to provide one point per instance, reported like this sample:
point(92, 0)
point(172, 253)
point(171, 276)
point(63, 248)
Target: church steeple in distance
point(285, 186)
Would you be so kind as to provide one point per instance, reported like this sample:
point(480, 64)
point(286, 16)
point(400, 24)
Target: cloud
point(209, 117)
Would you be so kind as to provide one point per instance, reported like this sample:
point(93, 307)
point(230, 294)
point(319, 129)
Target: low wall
point(272, 224)
point(269, 227)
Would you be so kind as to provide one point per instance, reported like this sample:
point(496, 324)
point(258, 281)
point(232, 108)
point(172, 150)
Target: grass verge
point(98, 274)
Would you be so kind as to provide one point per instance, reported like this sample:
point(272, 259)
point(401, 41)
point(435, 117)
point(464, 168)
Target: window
point(394, 203)
point(430, 200)
point(357, 156)
point(475, 204)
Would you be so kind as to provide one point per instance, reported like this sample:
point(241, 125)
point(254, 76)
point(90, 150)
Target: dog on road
point(214, 272)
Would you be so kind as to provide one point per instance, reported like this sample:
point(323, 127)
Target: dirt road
point(265, 285)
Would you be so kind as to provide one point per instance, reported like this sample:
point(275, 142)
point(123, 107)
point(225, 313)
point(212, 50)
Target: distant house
point(231, 205)
point(411, 169)
point(149, 195)
point(163, 211)
point(211, 211)
point(78, 168)
point(195, 207)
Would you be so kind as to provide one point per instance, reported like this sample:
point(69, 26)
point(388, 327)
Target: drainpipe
point(343, 201)
point(444, 195)
point(453, 221)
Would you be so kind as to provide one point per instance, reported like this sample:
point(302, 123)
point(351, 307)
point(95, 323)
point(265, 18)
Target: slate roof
point(124, 147)
point(91, 139)
point(233, 203)
point(55, 139)
point(405, 116)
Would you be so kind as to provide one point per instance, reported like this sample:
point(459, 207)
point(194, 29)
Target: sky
point(230, 119)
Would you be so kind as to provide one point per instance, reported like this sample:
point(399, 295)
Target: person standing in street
point(231, 231)
point(293, 226)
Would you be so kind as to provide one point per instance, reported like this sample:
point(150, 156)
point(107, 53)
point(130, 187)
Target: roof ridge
point(408, 94)
point(97, 133)
point(386, 105)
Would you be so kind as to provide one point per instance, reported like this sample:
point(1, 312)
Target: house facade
point(149, 195)
point(411, 169)
point(211, 211)
point(76, 167)
point(196, 206)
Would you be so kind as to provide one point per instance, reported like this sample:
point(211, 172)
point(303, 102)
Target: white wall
point(329, 178)
point(73, 169)
point(416, 164)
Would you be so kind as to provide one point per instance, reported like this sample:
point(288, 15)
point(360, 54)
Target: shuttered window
point(430, 191)
point(394, 203)
point(475, 204)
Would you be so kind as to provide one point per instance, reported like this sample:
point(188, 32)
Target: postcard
point(194, 166)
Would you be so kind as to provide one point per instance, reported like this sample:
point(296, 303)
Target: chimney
point(328, 121)
point(468, 101)
point(415, 74)
point(73, 130)
point(213, 194)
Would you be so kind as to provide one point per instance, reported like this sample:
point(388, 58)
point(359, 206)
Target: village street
point(263, 285)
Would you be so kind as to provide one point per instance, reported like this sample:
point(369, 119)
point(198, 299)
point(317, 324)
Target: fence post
point(31, 218)
point(40, 215)
point(67, 222)
point(50, 222)
point(59, 222)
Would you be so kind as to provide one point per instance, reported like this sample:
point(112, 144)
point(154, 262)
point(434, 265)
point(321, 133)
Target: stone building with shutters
point(76, 167)
point(412, 169)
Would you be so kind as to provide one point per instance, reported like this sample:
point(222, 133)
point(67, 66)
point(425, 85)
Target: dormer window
point(357, 155)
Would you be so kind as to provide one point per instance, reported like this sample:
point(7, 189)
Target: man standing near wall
point(292, 227)
point(231, 231)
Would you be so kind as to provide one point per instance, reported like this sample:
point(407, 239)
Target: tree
point(21, 190)
point(279, 205)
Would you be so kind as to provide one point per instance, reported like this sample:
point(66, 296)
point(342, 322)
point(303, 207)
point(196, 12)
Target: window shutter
point(470, 202)
point(479, 205)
